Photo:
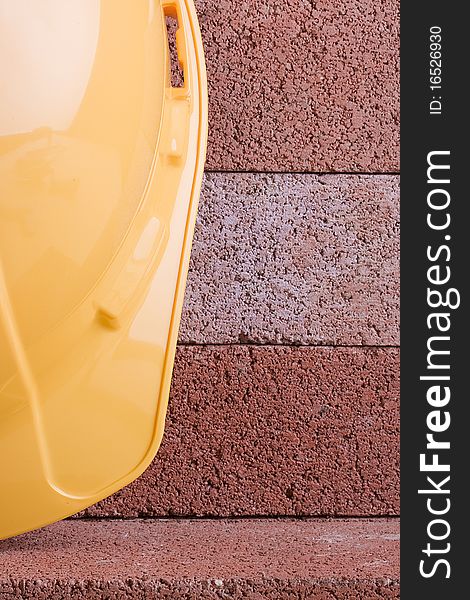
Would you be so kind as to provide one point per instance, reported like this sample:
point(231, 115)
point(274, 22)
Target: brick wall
point(285, 391)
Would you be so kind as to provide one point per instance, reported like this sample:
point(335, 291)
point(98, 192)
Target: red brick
point(274, 431)
point(295, 259)
point(302, 86)
point(324, 560)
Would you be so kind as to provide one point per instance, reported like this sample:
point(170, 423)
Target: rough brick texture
point(297, 85)
point(296, 259)
point(213, 560)
point(274, 431)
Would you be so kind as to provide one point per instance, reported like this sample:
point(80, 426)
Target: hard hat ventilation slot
point(176, 66)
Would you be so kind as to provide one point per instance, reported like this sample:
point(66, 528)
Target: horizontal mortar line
point(325, 517)
point(249, 172)
point(286, 345)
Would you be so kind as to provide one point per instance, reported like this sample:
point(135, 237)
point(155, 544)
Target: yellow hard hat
point(101, 160)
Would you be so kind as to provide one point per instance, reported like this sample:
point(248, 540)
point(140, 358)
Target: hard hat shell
point(101, 161)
